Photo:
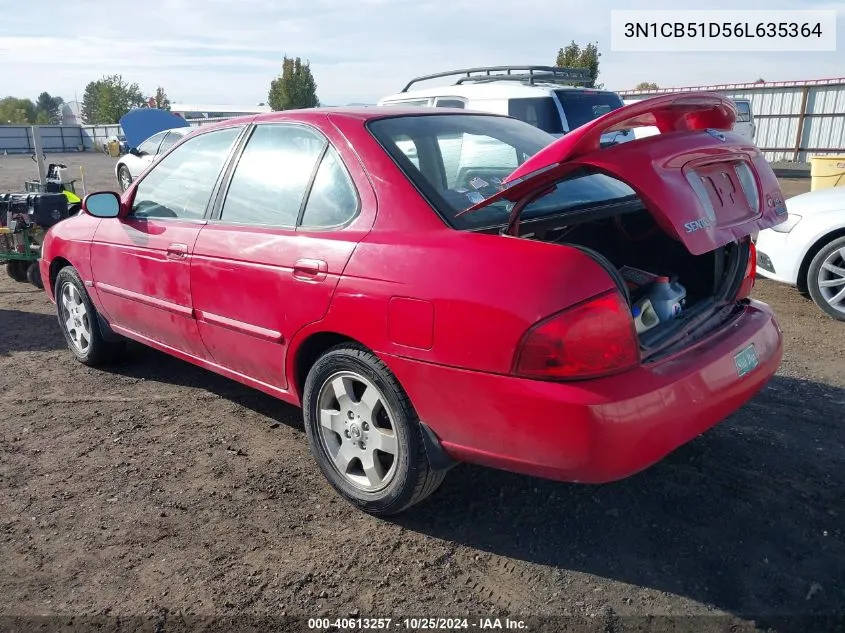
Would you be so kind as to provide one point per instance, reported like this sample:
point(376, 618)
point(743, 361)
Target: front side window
point(466, 157)
point(272, 175)
point(181, 183)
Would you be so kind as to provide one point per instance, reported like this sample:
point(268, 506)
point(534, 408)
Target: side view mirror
point(135, 151)
point(103, 204)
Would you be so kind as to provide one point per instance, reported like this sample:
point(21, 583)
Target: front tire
point(79, 321)
point(364, 434)
point(124, 178)
point(826, 279)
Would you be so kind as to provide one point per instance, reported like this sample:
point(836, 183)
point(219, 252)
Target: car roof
point(361, 113)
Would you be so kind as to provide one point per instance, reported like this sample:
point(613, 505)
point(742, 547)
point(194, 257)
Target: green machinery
point(24, 217)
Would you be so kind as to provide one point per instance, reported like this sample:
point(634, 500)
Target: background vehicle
point(808, 249)
point(422, 313)
point(745, 125)
point(137, 159)
point(547, 97)
point(149, 134)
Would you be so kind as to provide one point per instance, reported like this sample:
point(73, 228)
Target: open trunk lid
point(702, 183)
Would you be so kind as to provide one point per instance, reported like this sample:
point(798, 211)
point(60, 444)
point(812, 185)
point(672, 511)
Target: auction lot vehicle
point(545, 306)
point(808, 249)
point(149, 133)
point(547, 97)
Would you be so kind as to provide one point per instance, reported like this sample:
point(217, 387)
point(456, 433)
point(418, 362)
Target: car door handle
point(177, 251)
point(310, 269)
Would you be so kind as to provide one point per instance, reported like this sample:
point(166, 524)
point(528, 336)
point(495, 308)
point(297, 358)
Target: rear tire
point(16, 269)
point(367, 441)
point(33, 275)
point(826, 279)
point(79, 321)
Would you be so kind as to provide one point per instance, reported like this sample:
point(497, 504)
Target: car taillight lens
point(750, 273)
point(594, 338)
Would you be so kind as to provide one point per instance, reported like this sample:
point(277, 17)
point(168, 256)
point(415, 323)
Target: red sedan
point(435, 285)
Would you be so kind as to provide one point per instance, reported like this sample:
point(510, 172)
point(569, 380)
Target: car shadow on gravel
point(142, 362)
point(23, 331)
point(749, 517)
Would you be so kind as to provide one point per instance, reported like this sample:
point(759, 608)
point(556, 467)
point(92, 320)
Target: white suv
point(547, 97)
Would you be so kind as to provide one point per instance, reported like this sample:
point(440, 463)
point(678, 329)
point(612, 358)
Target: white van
point(744, 125)
point(547, 97)
point(745, 119)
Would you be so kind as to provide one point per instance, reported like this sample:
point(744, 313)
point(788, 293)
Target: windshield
point(581, 107)
point(459, 160)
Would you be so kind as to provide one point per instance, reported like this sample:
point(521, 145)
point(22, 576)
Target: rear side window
point(169, 141)
point(332, 200)
point(743, 112)
point(581, 107)
point(541, 112)
point(150, 146)
point(450, 103)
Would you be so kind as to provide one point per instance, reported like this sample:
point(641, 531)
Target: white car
point(807, 250)
point(132, 164)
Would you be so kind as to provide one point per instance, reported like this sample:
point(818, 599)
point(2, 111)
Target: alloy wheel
point(831, 279)
point(357, 431)
point(76, 319)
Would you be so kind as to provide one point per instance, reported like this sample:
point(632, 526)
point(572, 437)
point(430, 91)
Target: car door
point(269, 260)
point(141, 262)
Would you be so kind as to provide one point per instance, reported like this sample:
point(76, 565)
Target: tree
point(108, 99)
point(16, 111)
point(294, 88)
point(48, 109)
point(161, 100)
point(646, 85)
point(760, 81)
point(573, 56)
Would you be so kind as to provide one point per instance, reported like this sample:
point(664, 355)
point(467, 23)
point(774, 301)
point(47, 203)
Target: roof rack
point(530, 74)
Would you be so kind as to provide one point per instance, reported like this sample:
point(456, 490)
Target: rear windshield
point(457, 160)
point(582, 107)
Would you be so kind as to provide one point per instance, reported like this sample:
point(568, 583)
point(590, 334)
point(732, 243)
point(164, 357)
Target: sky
point(228, 51)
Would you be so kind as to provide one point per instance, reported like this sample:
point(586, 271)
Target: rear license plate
point(746, 360)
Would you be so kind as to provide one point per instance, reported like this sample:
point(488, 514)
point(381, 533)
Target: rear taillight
point(750, 273)
point(594, 338)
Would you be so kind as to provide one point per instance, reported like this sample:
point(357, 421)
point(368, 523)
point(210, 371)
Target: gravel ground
point(161, 491)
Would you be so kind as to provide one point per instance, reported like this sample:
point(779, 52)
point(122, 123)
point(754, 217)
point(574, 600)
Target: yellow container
point(114, 148)
point(826, 172)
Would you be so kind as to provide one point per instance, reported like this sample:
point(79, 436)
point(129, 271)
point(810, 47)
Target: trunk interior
point(636, 251)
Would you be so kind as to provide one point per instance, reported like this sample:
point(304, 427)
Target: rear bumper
point(594, 431)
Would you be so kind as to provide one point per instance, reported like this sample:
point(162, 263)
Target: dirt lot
point(157, 489)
